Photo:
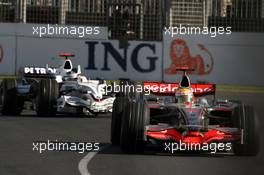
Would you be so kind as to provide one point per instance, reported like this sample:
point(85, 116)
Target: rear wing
point(169, 89)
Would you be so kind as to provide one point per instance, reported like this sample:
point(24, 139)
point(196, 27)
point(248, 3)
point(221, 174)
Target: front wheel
point(135, 118)
point(118, 107)
point(245, 118)
point(46, 100)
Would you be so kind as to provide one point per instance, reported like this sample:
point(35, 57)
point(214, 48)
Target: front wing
point(172, 134)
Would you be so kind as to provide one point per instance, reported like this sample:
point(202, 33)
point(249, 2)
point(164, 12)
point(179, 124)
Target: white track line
point(83, 164)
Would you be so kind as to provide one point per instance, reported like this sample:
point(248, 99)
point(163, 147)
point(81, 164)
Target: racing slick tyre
point(135, 118)
point(46, 100)
point(12, 104)
point(118, 108)
point(116, 120)
point(245, 118)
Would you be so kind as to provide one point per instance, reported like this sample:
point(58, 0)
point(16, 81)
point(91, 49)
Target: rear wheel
point(12, 104)
point(46, 100)
point(135, 118)
point(245, 118)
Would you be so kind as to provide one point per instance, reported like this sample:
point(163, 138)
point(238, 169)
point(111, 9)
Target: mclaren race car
point(55, 90)
point(182, 117)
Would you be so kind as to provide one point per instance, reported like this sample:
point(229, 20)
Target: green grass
point(239, 89)
point(6, 76)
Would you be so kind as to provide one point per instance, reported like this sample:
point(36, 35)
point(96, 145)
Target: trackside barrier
point(235, 59)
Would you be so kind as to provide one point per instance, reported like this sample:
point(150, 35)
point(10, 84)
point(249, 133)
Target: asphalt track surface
point(17, 134)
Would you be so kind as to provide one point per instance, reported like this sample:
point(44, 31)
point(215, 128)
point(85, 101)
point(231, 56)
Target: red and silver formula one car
point(182, 117)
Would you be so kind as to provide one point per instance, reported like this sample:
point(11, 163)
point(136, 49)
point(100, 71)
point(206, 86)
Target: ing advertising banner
point(7, 55)
point(234, 59)
point(1, 53)
point(98, 58)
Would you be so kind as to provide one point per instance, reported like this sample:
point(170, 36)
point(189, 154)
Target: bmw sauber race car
point(55, 90)
point(182, 114)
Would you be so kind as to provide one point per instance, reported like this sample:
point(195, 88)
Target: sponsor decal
point(1, 54)
point(197, 89)
point(180, 56)
point(39, 70)
point(121, 56)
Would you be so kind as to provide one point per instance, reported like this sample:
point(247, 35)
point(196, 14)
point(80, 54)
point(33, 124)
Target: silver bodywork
point(88, 97)
point(77, 94)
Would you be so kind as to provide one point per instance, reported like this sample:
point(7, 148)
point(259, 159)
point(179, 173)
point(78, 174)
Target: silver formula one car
point(55, 90)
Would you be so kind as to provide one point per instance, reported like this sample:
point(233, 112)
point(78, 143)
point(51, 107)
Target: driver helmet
point(184, 95)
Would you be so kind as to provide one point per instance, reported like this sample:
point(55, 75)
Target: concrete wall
point(231, 59)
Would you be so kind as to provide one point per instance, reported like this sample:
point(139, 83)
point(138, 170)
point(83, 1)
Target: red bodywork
point(192, 136)
point(172, 134)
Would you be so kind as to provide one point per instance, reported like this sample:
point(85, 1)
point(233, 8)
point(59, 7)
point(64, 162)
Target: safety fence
point(138, 19)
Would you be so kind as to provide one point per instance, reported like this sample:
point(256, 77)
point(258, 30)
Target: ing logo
point(180, 56)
